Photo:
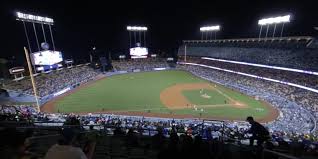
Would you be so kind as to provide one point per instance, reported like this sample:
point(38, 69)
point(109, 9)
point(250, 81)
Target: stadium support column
point(32, 78)
point(281, 32)
point(134, 38)
point(266, 31)
point(27, 37)
point(185, 53)
point(36, 37)
point(129, 39)
point(52, 38)
point(43, 32)
point(260, 32)
point(144, 39)
point(140, 38)
point(274, 30)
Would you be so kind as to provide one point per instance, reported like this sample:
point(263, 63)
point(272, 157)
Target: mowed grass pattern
point(141, 92)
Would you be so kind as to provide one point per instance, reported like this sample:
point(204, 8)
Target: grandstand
point(220, 98)
point(50, 84)
point(291, 52)
point(235, 64)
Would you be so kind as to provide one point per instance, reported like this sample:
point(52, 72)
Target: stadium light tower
point(39, 20)
point(139, 30)
point(35, 19)
point(273, 20)
point(209, 29)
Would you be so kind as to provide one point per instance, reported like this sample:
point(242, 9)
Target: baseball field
point(173, 93)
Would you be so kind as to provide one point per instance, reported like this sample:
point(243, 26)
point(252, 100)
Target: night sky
point(80, 25)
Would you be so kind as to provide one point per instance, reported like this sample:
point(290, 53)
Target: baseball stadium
point(122, 89)
point(169, 93)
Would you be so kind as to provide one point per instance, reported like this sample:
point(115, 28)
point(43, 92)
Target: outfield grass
point(140, 91)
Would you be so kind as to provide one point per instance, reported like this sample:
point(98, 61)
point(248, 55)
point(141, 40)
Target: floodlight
point(274, 20)
point(136, 28)
point(33, 18)
point(19, 14)
point(210, 28)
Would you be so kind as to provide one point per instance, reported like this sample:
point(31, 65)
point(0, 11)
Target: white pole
point(281, 33)
point(36, 37)
point(134, 38)
point(129, 39)
point(32, 78)
point(144, 38)
point(266, 30)
point(260, 33)
point(185, 53)
point(52, 38)
point(27, 37)
point(43, 32)
point(274, 30)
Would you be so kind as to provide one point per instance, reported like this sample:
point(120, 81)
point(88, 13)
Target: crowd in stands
point(54, 81)
point(303, 97)
point(121, 136)
point(303, 79)
point(291, 57)
point(293, 118)
point(132, 65)
point(167, 136)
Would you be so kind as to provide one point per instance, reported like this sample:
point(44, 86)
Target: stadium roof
point(293, 38)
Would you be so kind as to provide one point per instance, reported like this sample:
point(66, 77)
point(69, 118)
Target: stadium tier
point(250, 66)
point(291, 52)
point(51, 83)
point(134, 106)
point(140, 64)
point(102, 81)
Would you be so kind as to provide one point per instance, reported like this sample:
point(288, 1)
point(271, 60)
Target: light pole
point(140, 32)
point(270, 21)
point(34, 19)
point(209, 30)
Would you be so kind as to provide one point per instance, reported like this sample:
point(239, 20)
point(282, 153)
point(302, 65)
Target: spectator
point(259, 132)
point(65, 149)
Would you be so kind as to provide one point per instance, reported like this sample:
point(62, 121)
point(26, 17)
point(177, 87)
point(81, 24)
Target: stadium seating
point(140, 64)
point(53, 82)
point(124, 141)
point(117, 136)
point(291, 53)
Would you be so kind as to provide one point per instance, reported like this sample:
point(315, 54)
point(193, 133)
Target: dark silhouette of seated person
point(258, 131)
